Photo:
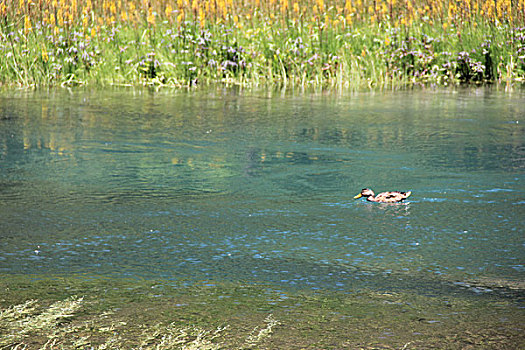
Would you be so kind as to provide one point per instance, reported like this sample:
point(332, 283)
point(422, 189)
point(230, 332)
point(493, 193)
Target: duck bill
point(358, 196)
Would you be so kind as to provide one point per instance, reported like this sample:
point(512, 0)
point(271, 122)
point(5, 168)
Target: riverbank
point(75, 312)
point(340, 44)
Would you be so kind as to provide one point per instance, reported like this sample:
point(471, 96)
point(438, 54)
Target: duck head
point(365, 192)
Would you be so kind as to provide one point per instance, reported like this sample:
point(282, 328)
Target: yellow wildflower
point(202, 19)
point(168, 11)
point(284, 5)
point(27, 25)
point(45, 57)
point(60, 17)
point(151, 17)
point(348, 19)
point(320, 5)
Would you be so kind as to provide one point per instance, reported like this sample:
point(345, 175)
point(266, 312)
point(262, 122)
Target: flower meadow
point(337, 43)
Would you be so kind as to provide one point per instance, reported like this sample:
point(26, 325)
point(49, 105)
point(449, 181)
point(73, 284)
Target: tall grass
point(288, 42)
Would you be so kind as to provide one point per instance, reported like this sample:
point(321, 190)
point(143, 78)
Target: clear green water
point(226, 219)
point(223, 185)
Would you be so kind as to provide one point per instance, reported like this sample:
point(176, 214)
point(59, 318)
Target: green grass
point(365, 56)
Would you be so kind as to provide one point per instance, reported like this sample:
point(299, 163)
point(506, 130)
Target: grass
point(47, 313)
point(343, 44)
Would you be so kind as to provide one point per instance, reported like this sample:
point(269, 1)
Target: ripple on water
point(267, 196)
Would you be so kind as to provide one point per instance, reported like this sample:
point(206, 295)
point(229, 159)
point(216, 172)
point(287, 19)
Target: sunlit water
point(255, 187)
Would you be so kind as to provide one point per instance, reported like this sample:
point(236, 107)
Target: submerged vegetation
point(77, 313)
point(340, 43)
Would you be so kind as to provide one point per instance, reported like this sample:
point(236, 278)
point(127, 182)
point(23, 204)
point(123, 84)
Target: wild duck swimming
point(383, 197)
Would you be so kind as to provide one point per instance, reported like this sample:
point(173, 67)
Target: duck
point(383, 197)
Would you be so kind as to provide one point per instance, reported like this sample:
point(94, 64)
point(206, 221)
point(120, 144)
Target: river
point(256, 187)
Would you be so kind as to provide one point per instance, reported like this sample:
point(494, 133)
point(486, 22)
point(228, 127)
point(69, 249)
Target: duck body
point(383, 197)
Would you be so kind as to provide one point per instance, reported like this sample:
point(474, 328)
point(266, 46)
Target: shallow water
point(257, 187)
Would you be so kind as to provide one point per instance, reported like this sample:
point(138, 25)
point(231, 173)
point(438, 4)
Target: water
point(258, 187)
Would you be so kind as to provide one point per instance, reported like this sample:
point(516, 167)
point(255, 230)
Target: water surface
point(225, 185)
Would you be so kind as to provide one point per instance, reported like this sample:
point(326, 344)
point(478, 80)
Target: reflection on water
point(255, 187)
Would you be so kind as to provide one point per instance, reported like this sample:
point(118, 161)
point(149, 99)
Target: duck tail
point(408, 194)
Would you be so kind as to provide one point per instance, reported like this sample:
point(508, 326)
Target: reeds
point(309, 42)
